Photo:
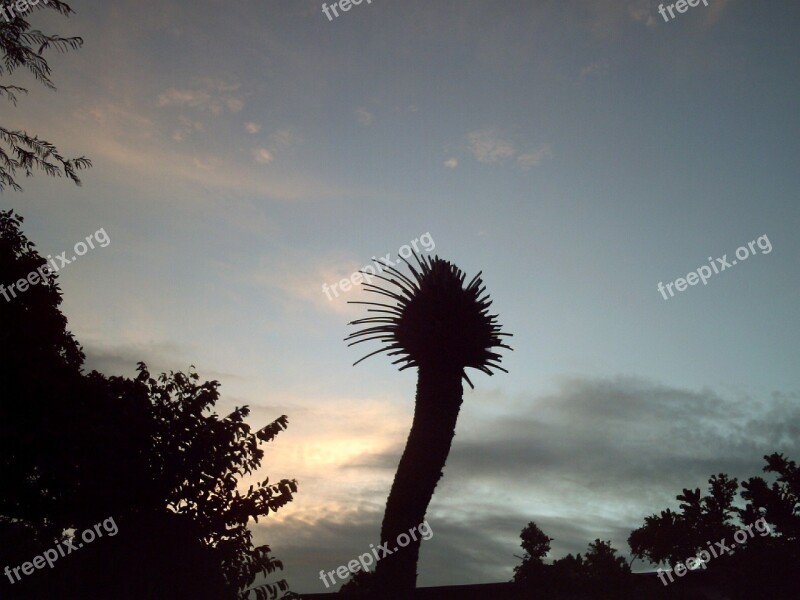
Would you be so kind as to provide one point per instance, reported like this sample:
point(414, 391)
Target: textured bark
point(439, 397)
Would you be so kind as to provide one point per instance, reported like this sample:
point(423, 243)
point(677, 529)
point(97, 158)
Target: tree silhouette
point(183, 465)
point(40, 376)
point(767, 566)
point(536, 546)
point(779, 503)
point(23, 47)
point(761, 547)
point(602, 563)
point(148, 452)
point(440, 326)
point(600, 574)
point(534, 542)
point(672, 537)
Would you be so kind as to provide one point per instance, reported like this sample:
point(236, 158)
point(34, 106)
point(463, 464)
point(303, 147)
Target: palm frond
point(436, 319)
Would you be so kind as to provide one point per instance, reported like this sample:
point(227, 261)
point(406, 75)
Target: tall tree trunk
point(439, 397)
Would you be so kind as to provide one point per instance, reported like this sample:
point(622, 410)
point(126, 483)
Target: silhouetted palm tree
point(440, 326)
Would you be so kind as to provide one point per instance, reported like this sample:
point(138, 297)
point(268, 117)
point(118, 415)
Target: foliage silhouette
point(76, 449)
point(40, 362)
point(763, 566)
point(779, 503)
point(188, 464)
point(672, 537)
point(18, 43)
point(440, 326)
point(360, 585)
point(600, 574)
point(536, 545)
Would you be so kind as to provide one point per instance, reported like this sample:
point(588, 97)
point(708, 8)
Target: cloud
point(207, 95)
point(186, 127)
point(113, 116)
point(715, 11)
point(303, 279)
point(594, 69)
point(140, 149)
point(451, 163)
point(534, 159)
point(262, 155)
point(364, 117)
point(234, 104)
point(591, 459)
point(252, 127)
point(488, 146)
point(121, 359)
point(284, 139)
point(620, 436)
point(607, 18)
point(177, 97)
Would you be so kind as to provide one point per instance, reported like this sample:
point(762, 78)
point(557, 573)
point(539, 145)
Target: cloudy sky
point(578, 152)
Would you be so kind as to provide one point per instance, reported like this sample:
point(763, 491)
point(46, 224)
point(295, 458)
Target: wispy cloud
point(284, 139)
point(234, 104)
point(490, 146)
point(262, 155)
point(137, 144)
point(607, 18)
point(451, 163)
point(715, 11)
point(186, 127)
point(281, 141)
point(594, 69)
point(252, 128)
point(364, 117)
point(300, 281)
point(207, 94)
point(534, 159)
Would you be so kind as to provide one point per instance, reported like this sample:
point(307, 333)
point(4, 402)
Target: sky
point(577, 152)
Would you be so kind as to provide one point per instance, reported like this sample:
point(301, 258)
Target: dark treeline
point(709, 545)
point(82, 451)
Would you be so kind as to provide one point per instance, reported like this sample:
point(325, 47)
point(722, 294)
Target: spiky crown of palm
point(436, 320)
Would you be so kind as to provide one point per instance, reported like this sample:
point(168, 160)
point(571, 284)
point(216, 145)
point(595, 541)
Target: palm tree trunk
point(439, 397)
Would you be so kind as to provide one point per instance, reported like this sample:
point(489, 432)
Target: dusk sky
point(577, 152)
